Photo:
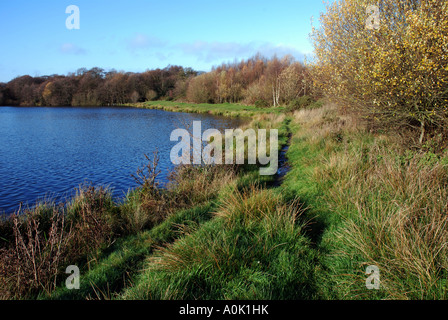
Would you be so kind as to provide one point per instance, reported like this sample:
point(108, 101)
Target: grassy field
point(351, 199)
point(224, 109)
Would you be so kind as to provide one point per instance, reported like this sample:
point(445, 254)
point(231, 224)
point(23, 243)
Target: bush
point(300, 103)
point(202, 89)
point(316, 105)
point(262, 104)
point(151, 95)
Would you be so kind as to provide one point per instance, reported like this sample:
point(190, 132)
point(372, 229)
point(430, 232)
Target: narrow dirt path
point(283, 165)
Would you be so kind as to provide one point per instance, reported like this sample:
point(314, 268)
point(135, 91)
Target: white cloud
point(70, 48)
point(141, 41)
point(218, 51)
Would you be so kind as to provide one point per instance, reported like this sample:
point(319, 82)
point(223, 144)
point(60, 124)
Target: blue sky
point(136, 35)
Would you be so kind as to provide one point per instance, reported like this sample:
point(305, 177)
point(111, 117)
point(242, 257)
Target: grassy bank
point(351, 199)
point(111, 242)
point(376, 201)
point(253, 248)
point(224, 109)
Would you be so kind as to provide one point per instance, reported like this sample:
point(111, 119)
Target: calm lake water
point(48, 152)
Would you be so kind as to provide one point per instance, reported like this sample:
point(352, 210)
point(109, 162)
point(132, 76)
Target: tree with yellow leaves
point(396, 72)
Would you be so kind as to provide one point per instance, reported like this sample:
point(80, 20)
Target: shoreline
point(297, 240)
point(67, 196)
point(144, 210)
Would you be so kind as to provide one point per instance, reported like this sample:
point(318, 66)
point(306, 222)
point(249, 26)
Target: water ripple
point(48, 152)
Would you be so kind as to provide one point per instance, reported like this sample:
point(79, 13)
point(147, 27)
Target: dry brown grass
point(401, 222)
point(34, 260)
point(47, 238)
point(192, 185)
point(90, 219)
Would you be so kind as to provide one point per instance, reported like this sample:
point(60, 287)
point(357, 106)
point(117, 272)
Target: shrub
point(151, 95)
point(147, 205)
point(262, 104)
point(142, 210)
point(6, 231)
point(300, 103)
point(316, 105)
point(202, 89)
point(40, 242)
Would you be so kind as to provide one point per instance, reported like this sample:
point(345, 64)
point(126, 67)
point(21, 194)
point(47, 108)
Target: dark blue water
point(48, 152)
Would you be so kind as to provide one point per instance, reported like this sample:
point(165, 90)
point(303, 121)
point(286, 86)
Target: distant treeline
point(258, 80)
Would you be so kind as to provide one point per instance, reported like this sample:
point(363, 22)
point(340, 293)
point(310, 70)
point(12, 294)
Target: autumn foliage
point(274, 82)
point(396, 73)
point(95, 87)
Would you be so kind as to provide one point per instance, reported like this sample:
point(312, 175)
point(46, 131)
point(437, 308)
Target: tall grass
point(382, 205)
point(253, 249)
point(40, 247)
point(193, 185)
point(92, 221)
point(49, 237)
point(118, 266)
point(401, 219)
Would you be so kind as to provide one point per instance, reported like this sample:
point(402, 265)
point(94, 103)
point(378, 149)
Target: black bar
point(167, 310)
